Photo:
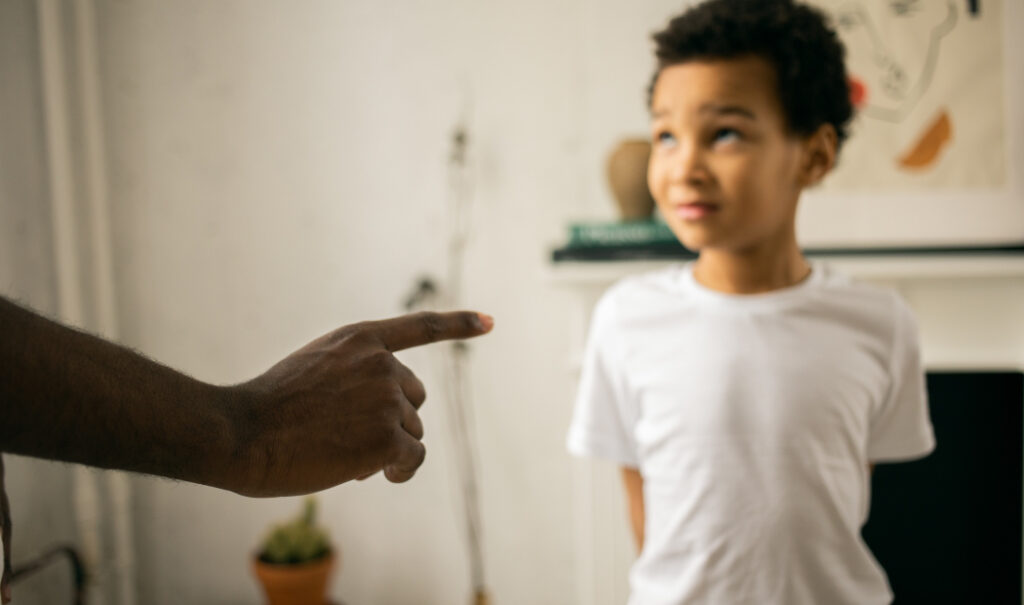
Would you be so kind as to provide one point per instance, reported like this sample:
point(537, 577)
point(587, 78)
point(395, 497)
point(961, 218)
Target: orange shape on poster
point(926, 150)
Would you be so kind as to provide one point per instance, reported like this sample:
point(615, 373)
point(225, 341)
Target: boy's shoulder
point(854, 293)
point(868, 309)
point(839, 281)
point(637, 296)
point(665, 280)
point(639, 290)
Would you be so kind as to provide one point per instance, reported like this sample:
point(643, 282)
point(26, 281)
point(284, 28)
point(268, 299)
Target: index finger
point(426, 327)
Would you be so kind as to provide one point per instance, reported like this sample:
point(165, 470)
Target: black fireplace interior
point(947, 529)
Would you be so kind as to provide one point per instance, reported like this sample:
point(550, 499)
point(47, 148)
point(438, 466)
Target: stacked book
point(622, 240)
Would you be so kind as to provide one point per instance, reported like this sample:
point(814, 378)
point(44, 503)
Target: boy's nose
point(689, 166)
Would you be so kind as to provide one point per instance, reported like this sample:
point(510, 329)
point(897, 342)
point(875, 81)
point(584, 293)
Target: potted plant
point(295, 561)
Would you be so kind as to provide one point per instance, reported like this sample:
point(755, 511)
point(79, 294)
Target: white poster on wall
point(935, 156)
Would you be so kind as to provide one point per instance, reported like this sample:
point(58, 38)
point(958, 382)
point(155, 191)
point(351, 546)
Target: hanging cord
point(427, 294)
point(460, 411)
point(462, 421)
point(56, 553)
point(12, 575)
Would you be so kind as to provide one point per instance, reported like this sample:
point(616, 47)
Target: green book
point(619, 233)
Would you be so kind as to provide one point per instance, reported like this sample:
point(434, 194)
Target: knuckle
point(358, 336)
point(418, 391)
point(362, 338)
point(383, 444)
point(407, 458)
point(381, 362)
point(392, 401)
point(419, 455)
point(348, 332)
point(396, 445)
point(398, 475)
point(433, 325)
point(470, 321)
point(408, 454)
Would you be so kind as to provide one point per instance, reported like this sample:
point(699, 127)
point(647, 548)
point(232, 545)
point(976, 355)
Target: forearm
point(339, 408)
point(69, 396)
point(633, 483)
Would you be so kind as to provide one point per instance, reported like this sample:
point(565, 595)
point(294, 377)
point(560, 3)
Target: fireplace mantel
point(970, 305)
point(867, 266)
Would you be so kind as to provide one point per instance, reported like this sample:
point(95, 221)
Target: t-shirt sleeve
point(901, 428)
point(602, 425)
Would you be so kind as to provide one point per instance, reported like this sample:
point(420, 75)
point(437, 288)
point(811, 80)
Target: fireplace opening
point(947, 528)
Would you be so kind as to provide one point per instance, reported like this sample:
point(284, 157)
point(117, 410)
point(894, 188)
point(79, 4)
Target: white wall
point(39, 491)
point(278, 169)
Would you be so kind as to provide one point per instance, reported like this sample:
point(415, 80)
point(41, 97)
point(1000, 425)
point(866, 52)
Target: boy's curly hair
point(796, 39)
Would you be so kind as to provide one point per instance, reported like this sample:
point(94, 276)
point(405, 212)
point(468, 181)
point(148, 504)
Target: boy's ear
point(819, 155)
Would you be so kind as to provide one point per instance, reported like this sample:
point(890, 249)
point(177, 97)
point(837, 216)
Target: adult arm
point(340, 408)
point(633, 482)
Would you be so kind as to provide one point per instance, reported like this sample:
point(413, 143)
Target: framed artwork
point(936, 154)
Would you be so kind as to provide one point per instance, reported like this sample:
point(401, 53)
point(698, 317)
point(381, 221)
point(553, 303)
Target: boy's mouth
point(693, 211)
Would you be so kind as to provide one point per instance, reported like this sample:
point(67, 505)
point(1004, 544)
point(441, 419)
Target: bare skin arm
point(634, 485)
point(340, 408)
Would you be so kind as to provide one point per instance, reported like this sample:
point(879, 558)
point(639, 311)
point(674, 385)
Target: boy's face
point(724, 169)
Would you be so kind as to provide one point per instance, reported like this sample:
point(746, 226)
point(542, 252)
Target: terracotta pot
point(627, 176)
point(304, 584)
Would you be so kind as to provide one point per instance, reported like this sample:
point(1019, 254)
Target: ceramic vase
point(627, 177)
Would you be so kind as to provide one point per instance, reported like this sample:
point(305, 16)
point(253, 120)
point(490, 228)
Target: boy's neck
point(752, 271)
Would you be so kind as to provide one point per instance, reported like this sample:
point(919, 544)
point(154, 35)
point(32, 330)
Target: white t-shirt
point(752, 419)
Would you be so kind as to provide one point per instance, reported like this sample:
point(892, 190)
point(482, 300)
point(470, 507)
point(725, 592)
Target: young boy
point(747, 395)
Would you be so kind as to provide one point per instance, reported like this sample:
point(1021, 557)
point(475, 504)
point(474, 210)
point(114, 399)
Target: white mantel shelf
point(888, 267)
point(937, 286)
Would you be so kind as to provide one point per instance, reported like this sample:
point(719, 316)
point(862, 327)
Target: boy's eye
point(725, 135)
point(664, 139)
